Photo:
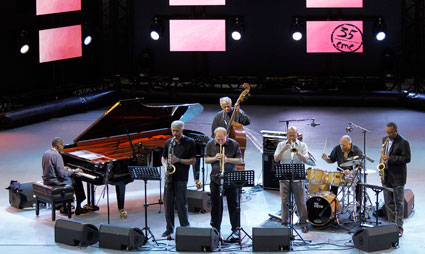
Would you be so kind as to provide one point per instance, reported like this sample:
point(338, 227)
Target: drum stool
point(61, 194)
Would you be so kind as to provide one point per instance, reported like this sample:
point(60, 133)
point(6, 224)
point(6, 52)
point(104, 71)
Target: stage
point(20, 159)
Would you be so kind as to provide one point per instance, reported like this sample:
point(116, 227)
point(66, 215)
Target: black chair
point(54, 195)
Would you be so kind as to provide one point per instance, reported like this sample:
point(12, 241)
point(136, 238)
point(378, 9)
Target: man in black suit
point(395, 156)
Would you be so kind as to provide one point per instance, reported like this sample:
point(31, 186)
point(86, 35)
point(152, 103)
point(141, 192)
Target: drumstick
point(324, 148)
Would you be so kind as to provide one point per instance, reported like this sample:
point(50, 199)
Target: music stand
point(291, 172)
point(377, 189)
point(145, 173)
point(239, 179)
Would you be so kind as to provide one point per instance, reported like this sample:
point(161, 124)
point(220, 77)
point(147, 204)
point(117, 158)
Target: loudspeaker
point(120, 237)
point(198, 201)
point(75, 233)
point(21, 195)
point(409, 202)
point(270, 181)
point(271, 239)
point(196, 239)
point(377, 238)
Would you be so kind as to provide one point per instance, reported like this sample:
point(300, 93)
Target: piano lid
point(137, 117)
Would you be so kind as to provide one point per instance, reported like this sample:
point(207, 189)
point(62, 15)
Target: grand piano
point(128, 134)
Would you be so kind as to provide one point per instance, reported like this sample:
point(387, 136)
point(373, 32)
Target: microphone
point(313, 123)
point(349, 127)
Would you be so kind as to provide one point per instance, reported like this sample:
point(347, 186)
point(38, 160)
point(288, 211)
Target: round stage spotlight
point(237, 28)
point(296, 36)
point(379, 30)
point(87, 40)
point(24, 49)
point(236, 35)
point(156, 29)
point(296, 30)
point(23, 42)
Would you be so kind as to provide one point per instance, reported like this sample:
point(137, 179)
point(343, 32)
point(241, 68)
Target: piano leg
point(120, 190)
point(91, 198)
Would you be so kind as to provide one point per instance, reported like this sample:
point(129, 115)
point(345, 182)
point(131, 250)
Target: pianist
point(54, 173)
point(180, 152)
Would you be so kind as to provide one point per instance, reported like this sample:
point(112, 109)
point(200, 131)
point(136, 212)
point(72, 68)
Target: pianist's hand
point(78, 170)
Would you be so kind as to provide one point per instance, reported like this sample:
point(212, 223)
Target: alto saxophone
point(381, 165)
point(171, 168)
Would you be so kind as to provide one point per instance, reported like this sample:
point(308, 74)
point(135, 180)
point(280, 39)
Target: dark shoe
point(166, 234)
point(305, 229)
point(79, 211)
point(64, 210)
point(284, 224)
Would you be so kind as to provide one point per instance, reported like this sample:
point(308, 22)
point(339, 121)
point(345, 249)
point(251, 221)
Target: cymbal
point(370, 171)
point(350, 163)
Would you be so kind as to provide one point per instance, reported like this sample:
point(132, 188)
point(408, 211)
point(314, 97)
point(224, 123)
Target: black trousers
point(217, 206)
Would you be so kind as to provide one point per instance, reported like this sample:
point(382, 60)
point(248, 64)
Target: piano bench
point(61, 194)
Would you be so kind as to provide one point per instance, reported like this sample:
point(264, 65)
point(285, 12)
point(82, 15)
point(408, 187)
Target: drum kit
point(324, 206)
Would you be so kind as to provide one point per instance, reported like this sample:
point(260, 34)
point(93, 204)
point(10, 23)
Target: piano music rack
point(144, 173)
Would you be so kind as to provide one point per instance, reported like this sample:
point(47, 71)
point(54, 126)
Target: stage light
point(380, 30)
point(23, 43)
point(237, 29)
point(296, 30)
point(156, 29)
point(87, 34)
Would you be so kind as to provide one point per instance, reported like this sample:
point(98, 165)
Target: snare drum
point(334, 178)
point(322, 208)
point(315, 175)
point(314, 188)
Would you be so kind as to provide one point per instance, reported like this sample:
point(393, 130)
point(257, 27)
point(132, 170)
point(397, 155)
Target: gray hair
point(56, 142)
point(178, 123)
point(220, 130)
point(346, 137)
point(225, 99)
point(293, 128)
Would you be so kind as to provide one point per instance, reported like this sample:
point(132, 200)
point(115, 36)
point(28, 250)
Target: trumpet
point(293, 148)
point(381, 165)
point(171, 168)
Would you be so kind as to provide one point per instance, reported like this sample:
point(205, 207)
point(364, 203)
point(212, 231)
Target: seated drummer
point(343, 153)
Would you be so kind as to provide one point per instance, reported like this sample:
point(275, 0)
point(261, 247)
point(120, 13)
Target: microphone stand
point(362, 212)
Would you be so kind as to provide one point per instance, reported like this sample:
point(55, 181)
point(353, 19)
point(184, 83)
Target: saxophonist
point(178, 154)
point(395, 157)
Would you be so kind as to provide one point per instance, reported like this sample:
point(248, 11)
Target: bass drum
point(322, 208)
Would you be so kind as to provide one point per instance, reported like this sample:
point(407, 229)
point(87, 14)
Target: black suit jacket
point(396, 171)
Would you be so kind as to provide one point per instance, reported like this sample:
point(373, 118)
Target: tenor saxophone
point(171, 168)
point(381, 165)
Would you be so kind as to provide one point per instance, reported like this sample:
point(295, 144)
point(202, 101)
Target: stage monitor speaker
point(409, 202)
point(120, 237)
point(196, 239)
point(21, 195)
point(75, 233)
point(270, 181)
point(198, 201)
point(377, 238)
point(271, 239)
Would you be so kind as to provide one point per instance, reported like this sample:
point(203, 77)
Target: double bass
point(235, 129)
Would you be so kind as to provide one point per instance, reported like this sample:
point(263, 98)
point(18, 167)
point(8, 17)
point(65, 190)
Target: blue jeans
point(175, 195)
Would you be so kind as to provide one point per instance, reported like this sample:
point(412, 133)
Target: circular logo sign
point(347, 38)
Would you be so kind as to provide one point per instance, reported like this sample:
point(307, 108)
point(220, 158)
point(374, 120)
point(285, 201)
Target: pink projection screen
point(196, 2)
point(57, 6)
point(198, 35)
point(60, 43)
point(334, 3)
point(334, 36)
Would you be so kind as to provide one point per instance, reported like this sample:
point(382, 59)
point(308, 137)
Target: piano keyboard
point(87, 175)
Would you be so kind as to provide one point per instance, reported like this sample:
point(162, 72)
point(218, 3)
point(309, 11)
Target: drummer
point(343, 154)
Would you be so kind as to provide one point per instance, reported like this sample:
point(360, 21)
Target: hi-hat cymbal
point(370, 171)
point(350, 163)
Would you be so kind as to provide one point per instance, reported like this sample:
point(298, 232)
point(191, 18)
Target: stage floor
point(20, 159)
